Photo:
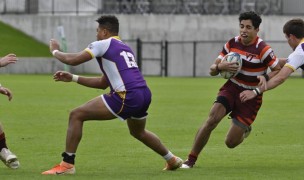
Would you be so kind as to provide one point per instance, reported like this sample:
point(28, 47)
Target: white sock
point(168, 156)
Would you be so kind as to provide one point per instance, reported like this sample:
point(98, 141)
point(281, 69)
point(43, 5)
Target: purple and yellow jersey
point(296, 58)
point(117, 62)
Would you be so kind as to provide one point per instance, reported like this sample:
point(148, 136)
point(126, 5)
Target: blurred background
point(169, 38)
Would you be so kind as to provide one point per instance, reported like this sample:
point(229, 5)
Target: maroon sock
point(192, 157)
point(2, 141)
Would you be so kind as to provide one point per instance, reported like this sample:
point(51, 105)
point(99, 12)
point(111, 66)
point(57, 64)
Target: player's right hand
point(6, 92)
point(63, 76)
point(8, 59)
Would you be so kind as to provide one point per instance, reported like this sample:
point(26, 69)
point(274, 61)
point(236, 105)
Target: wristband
point(257, 91)
point(53, 52)
point(266, 77)
point(75, 78)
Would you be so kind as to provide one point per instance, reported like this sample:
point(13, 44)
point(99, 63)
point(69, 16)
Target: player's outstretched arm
point(92, 82)
point(72, 59)
point(8, 59)
point(6, 92)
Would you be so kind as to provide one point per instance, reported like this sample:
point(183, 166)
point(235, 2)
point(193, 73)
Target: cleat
point(60, 169)
point(187, 164)
point(247, 132)
point(9, 159)
point(173, 164)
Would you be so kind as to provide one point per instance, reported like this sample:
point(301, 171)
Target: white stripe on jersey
point(99, 48)
point(113, 75)
point(266, 54)
point(242, 85)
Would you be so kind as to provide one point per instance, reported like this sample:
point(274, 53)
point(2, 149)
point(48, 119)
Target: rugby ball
point(232, 57)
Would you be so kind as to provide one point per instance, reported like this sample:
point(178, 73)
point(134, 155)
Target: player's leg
point(6, 156)
point(218, 111)
point(243, 116)
point(137, 130)
point(95, 109)
point(235, 135)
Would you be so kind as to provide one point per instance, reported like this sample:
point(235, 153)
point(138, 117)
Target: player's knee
point(75, 115)
point(230, 143)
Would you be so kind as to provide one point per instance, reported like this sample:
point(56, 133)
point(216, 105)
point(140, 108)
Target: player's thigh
point(95, 109)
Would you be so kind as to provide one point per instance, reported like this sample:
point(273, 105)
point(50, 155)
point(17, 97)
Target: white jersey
point(296, 58)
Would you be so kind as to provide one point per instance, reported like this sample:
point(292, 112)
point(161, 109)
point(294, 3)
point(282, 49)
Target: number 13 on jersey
point(129, 58)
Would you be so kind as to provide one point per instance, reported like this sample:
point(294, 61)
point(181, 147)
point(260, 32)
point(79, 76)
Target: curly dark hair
point(254, 17)
point(109, 22)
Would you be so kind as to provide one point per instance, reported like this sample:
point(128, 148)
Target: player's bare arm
point(222, 66)
point(263, 79)
point(8, 59)
point(281, 76)
point(6, 92)
point(214, 68)
point(68, 58)
point(92, 82)
point(278, 79)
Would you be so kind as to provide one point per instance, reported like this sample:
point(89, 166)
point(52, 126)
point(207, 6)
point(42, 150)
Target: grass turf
point(15, 41)
point(35, 124)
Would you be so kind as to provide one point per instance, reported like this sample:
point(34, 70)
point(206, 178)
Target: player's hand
point(6, 92)
point(63, 76)
point(54, 45)
point(229, 66)
point(247, 95)
point(263, 82)
point(8, 59)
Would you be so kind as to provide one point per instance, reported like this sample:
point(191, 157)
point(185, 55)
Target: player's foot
point(9, 159)
point(62, 168)
point(247, 132)
point(188, 164)
point(173, 163)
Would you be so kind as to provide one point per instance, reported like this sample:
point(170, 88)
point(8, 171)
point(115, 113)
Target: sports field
point(35, 123)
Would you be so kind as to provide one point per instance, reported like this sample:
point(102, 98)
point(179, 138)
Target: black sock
point(2, 141)
point(67, 158)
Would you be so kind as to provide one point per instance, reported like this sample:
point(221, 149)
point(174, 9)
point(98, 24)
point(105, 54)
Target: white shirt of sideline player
point(294, 61)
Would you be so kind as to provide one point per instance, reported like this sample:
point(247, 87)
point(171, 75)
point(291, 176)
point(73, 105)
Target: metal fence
point(81, 7)
point(186, 58)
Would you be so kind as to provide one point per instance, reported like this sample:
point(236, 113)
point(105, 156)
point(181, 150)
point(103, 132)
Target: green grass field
point(35, 123)
point(15, 41)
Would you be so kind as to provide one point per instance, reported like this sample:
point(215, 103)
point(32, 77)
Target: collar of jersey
point(116, 37)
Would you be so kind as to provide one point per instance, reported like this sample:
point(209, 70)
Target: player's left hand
point(6, 92)
point(63, 76)
point(54, 45)
point(247, 95)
